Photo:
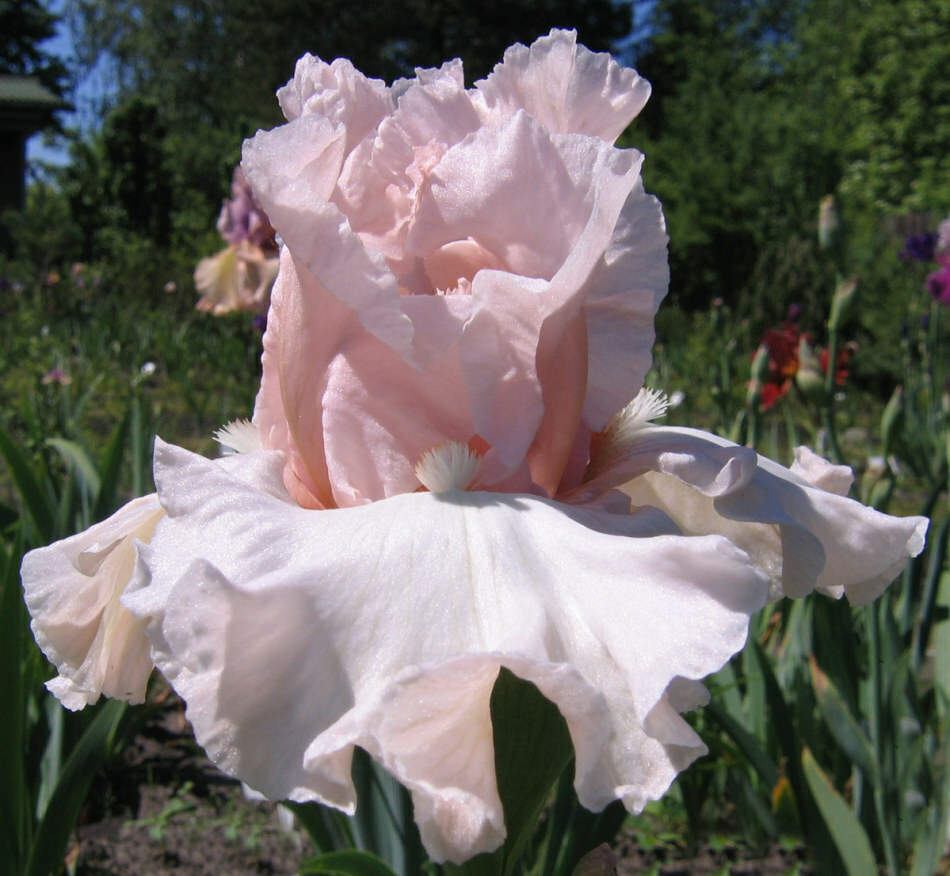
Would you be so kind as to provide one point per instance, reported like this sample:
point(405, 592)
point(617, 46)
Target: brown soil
point(165, 810)
point(732, 860)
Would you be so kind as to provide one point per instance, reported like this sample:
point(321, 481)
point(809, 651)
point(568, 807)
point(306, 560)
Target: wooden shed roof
point(26, 104)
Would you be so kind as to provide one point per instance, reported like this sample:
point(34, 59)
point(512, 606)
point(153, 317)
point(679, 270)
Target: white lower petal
point(295, 635)
point(796, 525)
point(72, 590)
point(820, 473)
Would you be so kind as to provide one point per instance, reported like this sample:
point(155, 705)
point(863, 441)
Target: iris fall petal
point(801, 534)
point(292, 638)
point(73, 590)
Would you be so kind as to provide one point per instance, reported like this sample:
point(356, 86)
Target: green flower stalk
point(892, 421)
point(842, 303)
point(829, 223)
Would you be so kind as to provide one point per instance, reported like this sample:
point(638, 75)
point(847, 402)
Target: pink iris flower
point(452, 468)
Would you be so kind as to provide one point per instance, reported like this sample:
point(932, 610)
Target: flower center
point(453, 266)
point(624, 427)
point(449, 466)
point(238, 436)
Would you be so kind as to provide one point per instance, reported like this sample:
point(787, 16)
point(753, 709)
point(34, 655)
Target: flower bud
point(938, 285)
point(829, 223)
point(760, 364)
point(759, 375)
point(784, 807)
point(718, 313)
point(842, 302)
point(809, 378)
point(880, 493)
point(892, 421)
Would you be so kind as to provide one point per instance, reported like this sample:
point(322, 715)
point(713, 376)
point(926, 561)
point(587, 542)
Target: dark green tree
point(896, 82)
point(119, 184)
point(24, 26)
point(225, 57)
point(722, 151)
point(388, 40)
point(135, 160)
point(212, 67)
point(762, 107)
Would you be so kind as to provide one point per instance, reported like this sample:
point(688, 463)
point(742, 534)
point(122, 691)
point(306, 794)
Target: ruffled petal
point(287, 410)
point(294, 165)
point(72, 590)
point(525, 195)
point(380, 186)
point(549, 221)
point(625, 294)
point(239, 277)
point(352, 416)
point(293, 171)
point(338, 92)
point(801, 536)
point(218, 281)
point(296, 635)
point(565, 86)
point(811, 467)
point(381, 415)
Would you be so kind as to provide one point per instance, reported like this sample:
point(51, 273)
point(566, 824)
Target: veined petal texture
point(565, 85)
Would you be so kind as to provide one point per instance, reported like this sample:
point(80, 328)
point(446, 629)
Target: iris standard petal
point(380, 186)
point(524, 315)
point(625, 293)
point(336, 91)
point(566, 86)
point(294, 170)
point(352, 416)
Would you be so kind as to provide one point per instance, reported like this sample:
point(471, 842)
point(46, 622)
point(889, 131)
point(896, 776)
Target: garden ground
point(165, 810)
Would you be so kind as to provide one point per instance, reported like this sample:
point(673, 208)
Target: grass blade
point(817, 832)
point(849, 837)
point(14, 802)
point(351, 862)
point(329, 829)
point(843, 726)
point(111, 468)
point(759, 759)
point(94, 748)
point(37, 503)
point(79, 464)
point(941, 645)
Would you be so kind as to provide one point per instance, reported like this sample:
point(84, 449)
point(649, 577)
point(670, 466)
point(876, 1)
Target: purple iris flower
point(919, 247)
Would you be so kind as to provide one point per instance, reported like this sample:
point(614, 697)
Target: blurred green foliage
point(77, 343)
point(761, 108)
point(24, 26)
